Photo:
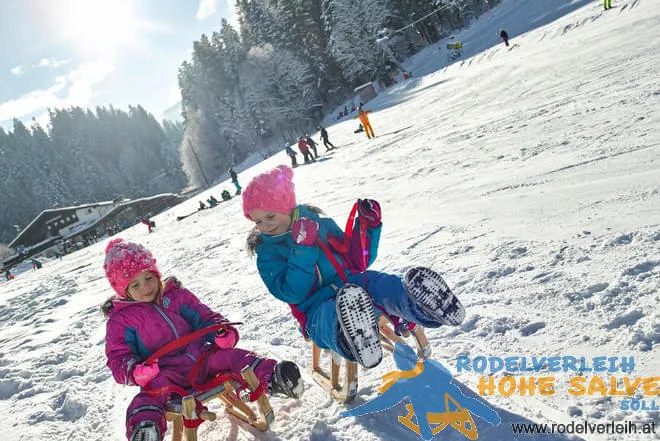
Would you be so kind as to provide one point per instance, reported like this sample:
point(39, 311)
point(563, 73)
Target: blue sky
point(60, 53)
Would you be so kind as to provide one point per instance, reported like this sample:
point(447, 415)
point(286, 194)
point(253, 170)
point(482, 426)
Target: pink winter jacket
point(135, 330)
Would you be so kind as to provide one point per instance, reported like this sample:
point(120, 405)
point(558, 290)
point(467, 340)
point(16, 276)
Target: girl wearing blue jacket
point(307, 261)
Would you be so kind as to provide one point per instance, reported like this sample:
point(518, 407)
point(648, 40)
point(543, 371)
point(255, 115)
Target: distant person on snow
point(307, 261)
point(292, 155)
point(312, 144)
point(504, 36)
point(304, 149)
point(326, 141)
point(35, 264)
point(212, 201)
point(234, 180)
point(202, 206)
point(149, 223)
point(364, 119)
point(146, 314)
point(607, 4)
point(225, 195)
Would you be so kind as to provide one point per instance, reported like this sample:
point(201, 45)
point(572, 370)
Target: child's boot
point(431, 294)
point(286, 380)
point(358, 326)
point(146, 431)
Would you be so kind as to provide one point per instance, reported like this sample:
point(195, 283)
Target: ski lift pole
point(192, 148)
point(386, 48)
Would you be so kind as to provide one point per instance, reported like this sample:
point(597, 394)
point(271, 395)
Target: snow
point(528, 176)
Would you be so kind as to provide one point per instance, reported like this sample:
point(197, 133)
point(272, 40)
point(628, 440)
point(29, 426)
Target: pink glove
point(144, 373)
point(226, 338)
point(304, 231)
point(369, 210)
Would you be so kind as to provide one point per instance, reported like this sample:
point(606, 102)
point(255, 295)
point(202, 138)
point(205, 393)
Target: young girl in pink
point(144, 315)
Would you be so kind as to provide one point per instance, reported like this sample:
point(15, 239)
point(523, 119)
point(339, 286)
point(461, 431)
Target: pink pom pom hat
point(271, 191)
point(125, 260)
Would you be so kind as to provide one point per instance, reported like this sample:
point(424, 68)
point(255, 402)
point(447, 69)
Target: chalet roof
point(117, 208)
point(118, 205)
point(363, 86)
point(51, 212)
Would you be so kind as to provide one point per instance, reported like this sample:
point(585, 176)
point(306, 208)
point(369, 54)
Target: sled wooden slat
point(330, 381)
point(346, 392)
point(234, 405)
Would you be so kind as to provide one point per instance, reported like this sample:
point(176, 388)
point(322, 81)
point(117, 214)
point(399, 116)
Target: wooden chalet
point(80, 225)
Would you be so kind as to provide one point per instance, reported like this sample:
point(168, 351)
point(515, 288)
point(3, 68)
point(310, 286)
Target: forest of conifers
point(243, 90)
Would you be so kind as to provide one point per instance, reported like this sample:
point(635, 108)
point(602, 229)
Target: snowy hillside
point(529, 176)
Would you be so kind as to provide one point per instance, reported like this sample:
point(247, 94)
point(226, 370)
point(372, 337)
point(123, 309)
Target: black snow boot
point(286, 380)
point(431, 294)
point(146, 431)
point(358, 326)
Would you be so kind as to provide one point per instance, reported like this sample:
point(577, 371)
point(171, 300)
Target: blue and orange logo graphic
point(435, 402)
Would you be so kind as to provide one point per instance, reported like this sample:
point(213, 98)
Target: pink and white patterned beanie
point(125, 260)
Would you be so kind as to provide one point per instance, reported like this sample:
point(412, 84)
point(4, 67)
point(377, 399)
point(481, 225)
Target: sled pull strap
point(184, 340)
point(335, 263)
point(348, 231)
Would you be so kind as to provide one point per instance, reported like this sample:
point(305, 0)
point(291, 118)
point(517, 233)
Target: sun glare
point(99, 26)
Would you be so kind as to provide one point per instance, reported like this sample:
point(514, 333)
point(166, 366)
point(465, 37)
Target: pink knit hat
point(271, 191)
point(124, 261)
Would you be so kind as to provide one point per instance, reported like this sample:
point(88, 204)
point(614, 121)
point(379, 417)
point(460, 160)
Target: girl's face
point(271, 223)
point(145, 287)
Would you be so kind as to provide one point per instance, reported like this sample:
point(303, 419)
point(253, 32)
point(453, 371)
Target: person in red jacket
point(304, 149)
point(149, 223)
point(311, 144)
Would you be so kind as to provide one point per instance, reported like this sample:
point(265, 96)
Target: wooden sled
point(179, 412)
point(347, 391)
point(180, 218)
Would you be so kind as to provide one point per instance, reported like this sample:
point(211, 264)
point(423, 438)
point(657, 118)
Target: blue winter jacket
point(302, 275)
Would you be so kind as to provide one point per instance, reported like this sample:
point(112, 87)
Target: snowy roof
point(52, 211)
point(364, 86)
point(118, 204)
point(89, 225)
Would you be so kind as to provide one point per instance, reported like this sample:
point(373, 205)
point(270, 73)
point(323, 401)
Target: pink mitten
point(226, 338)
point(304, 231)
point(144, 373)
